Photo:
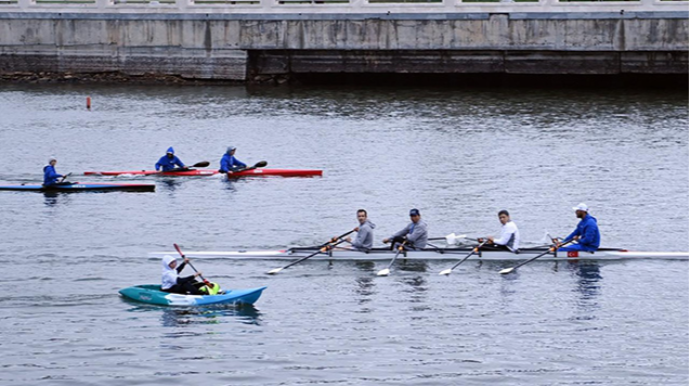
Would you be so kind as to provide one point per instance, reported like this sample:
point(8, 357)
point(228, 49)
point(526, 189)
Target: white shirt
point(510, 236)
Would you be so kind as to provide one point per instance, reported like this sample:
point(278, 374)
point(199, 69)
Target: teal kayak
point(152, 294)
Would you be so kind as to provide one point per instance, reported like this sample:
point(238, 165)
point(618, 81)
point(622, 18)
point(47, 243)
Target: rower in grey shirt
point(415, 233)
point(365, 232)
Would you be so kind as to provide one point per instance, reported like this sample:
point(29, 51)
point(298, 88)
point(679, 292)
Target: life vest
point(210, 289)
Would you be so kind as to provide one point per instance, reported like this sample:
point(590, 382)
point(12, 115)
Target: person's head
point(362, 216)
point(52, 161)
point(170, 152)
point(581, 210)
point(169, 261)
point(414, 215)
point(230, 150)
point(503, 217)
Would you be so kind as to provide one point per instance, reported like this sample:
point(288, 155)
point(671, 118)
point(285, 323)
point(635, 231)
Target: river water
point(457, 155)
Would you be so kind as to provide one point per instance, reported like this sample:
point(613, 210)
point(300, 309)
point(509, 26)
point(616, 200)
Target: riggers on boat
point(210, 172)
point(81, 187)
point(449, 253)
point(152, 294)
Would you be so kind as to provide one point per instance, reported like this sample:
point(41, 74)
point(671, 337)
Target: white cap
point(51, 159)
point(581, 206)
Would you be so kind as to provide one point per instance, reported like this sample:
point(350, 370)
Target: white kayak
point(449, 253)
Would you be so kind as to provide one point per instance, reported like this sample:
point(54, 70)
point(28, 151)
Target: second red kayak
point(208, 172)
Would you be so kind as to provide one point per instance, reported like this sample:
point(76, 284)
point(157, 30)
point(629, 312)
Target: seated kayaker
point(168, 162)
point(365, 233)
point(50, 176)
point(415, 233)
point(586, 234)
point(510, 235)
point(173, 283)
point(230, 164)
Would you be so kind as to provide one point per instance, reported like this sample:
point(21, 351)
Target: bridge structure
point(246, 39)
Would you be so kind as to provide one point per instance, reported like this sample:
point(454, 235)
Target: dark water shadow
point(184, 316)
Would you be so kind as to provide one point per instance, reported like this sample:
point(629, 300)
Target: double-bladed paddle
point(65, 177)
point(474, 250)
point(322, 248)
point(554, 247)
point(257, 165)
point(387, 271)
point(208, 283)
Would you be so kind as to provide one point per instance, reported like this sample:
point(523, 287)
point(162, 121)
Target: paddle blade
point(446, 272)
point(261, 164)
point(274, 271)
point(383, 272)
point(201, 164)
point(506, 271)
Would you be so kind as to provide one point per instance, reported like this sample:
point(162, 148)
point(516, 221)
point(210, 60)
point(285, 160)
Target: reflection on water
point(588, 285)
point(175, 317)
point(169, 184)
point(365, 288)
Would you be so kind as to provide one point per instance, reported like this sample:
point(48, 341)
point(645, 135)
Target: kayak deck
point(211, 172)
point(428, 254)
point(152, 294)
point(81, 187)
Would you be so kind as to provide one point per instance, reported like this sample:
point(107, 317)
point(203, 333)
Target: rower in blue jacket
point(50, 176)
point(586, 234)
point(168, 162)
point(229, 164)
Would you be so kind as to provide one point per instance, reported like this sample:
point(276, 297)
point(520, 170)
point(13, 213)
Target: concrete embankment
point(250, 47)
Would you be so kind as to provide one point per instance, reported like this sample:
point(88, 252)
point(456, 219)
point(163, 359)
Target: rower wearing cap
point(510, 234)
point(415, 233)
point(587, 232)
point(230, 164)
point(50, 176)
point(168, 162)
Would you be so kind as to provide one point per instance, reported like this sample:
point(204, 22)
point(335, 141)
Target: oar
point(553, 248)
point(322, 248)
point(65, 177)
point(474, 250)
point(387, 271)
point(201, 164)
point(257, 165)
point(208, 283)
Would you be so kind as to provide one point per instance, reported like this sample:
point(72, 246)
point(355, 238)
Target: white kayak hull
point(428, 254)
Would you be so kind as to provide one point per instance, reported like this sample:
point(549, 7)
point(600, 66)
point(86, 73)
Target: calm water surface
point(458, 156)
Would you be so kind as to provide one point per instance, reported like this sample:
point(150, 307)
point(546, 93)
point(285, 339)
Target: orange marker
point(88, 103)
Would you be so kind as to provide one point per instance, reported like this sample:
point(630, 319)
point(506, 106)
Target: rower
point(168, 162)
point(415, 233)
point(50, 176)
point(587, 232)
point(229, 164)
point(510, 235)
point(365, 233)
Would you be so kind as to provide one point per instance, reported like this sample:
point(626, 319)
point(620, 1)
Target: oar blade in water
point(446, 272)
point(383, 272)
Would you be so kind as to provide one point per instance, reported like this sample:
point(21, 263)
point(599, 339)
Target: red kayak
point(208, 172)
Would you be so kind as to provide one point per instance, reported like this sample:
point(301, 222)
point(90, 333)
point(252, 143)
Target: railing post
point(266, 4)
point(449, 5)
point(103, 4)
point(25, 4)
point(182, 4)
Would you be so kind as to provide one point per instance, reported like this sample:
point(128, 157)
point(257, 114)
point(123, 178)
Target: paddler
point(230, 164)
point(50, 176)
point(365, 233)
point(168, 162)
point(587, 232)
point(510, 235)
point(173, 283)
point(415, 233)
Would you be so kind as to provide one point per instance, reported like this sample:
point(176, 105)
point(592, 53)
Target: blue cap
point(414, 212)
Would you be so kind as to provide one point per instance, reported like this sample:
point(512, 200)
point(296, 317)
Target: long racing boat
point(210, 172)
point(450, 253)
point(81, 187)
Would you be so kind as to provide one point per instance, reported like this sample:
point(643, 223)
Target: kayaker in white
point(172, 282)
point(510, 234)
point(365, 233)
point(415, 233)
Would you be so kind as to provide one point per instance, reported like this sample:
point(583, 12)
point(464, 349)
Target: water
point(458, 156)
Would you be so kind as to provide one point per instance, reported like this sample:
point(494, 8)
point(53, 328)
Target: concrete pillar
point(182, 4)
point(25, 4)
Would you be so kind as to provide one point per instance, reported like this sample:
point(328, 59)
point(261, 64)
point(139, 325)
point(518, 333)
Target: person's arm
point(240, 163)
point(588, 235)
point(418, 233)
point(361, 236)
point(179, 163)
point(181, 267)
point(158, 165)
point(506, 234)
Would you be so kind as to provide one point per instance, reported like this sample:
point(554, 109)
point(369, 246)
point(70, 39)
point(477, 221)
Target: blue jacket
point(229, 162)
point(588, 230)
point(167, 164)
point(50, 176)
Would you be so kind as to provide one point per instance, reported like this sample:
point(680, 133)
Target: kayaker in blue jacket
point(229, 164)
point(586, 234)
point(172, 282)
point(168, 162)
point(50, 176)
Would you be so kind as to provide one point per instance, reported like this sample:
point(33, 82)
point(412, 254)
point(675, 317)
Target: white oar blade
point(506, 271)
point(446, 272)
point(450, 239)
point(384, 272)
point(274, 271)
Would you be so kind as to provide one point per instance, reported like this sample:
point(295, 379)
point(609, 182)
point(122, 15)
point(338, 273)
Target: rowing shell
point(210, 172)
point(429, 254)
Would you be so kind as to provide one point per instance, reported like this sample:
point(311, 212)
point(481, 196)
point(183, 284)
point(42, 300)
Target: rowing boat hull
point(429, 254)
point(81, 187)
point(209, 172)
point(151, 294)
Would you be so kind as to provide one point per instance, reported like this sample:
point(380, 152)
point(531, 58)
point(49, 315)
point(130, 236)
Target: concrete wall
point(226, 46)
